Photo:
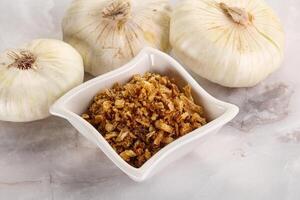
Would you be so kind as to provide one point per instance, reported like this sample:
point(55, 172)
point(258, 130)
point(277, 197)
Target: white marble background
point(256, 157)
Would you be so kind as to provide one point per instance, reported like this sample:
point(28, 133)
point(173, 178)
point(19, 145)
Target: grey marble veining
point(255, 157)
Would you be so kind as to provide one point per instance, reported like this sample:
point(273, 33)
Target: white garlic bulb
point(36, 75)
point(236, 43)
point(109, 33)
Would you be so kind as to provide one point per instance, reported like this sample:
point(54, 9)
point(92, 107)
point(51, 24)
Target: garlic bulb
point(34, 76)
point(109, 33)
point(236, 43)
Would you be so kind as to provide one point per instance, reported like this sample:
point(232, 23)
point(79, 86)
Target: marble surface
point(256, 156)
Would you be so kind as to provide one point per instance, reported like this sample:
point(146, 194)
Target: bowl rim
point(139, 174)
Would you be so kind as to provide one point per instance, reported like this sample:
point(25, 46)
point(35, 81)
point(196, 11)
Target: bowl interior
point(157, 63)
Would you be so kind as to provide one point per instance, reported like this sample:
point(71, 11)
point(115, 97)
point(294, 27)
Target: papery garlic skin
point(34, 76)
point(235, 43)
point(109, 33)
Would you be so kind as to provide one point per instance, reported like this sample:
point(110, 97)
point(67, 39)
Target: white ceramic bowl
point(75, 102)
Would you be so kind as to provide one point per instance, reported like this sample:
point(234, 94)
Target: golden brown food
point(144, 115)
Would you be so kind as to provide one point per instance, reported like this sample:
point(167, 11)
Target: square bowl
point(75, 102)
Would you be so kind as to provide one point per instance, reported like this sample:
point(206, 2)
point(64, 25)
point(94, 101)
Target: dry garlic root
point(34, 76)
point(108, 33)
point(233, 43)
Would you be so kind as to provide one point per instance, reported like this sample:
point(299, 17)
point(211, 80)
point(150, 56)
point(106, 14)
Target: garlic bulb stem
point(117, 10)
point(238, 15)
point(23, 60)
